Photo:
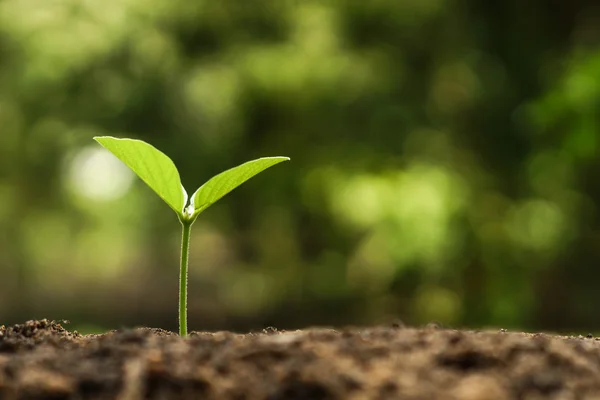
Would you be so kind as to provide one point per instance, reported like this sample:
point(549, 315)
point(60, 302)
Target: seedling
point(158, 171)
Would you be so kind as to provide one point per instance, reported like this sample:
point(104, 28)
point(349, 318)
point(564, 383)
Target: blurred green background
point(444, 162)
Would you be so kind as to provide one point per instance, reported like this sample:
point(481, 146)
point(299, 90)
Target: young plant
point(159, 172)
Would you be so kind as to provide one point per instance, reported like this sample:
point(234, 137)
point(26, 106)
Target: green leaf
point(219, 185)
point(152, 166)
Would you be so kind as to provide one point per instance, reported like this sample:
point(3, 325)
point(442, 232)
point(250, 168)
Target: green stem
point(183, 276)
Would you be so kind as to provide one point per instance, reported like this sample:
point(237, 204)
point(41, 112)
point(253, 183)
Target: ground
point(42, 360)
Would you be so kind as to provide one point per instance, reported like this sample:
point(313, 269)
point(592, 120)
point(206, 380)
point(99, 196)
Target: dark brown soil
point(42, 360)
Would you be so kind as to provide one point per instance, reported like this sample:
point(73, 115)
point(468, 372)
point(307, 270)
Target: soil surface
point(42, 360)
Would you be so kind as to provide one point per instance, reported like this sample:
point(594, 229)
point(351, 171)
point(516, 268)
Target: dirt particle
point(540, 382)
point(479, 387)
point(350, 383)
point(434, 326)
point(398, 324)
point(387, 389)
point(299, 390)
point(43, 383)
point(467, 360)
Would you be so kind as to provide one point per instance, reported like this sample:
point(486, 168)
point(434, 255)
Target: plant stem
point(183, 276)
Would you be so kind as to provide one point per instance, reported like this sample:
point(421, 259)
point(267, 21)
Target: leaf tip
point(100, 139)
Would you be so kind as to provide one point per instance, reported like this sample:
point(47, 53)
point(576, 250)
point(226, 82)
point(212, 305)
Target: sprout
point(158, 171)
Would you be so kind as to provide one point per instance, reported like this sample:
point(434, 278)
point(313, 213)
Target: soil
point(42, 360)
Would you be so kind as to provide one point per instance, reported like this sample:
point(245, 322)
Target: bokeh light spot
point(98, 175)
